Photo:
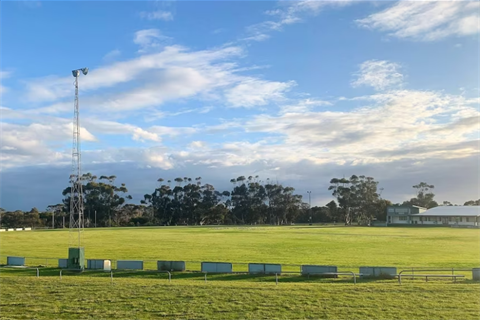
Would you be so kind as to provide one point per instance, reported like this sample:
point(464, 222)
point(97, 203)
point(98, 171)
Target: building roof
point(452, 211)
point(419, 207)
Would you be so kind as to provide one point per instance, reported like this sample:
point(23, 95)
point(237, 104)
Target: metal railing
point(426, 276)
point(150, 265)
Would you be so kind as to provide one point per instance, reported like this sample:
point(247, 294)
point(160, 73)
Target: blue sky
point(298, 91)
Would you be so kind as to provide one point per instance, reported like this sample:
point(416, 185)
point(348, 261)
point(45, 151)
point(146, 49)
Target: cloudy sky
point(298, 92)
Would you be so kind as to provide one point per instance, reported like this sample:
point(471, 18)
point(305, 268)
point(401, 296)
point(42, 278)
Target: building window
point(402, 218)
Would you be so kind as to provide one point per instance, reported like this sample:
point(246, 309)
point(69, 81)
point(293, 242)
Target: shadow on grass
point(198, 276)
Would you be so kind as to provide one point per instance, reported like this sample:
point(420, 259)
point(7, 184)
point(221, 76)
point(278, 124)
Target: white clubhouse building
point(443, 215)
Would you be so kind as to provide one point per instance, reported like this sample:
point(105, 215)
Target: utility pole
point(95, 218)
point(310, 205)
point(53, 219)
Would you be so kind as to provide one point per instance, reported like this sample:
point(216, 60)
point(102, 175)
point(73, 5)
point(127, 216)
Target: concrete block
point(476, 274)
point(209, 267)
point(256, 268)
point(316, 269)
point(386, 271)
point(224, 267)
point(171, 265)
point(95, 264)
point(216, 267)
point(3, 230)
point(19, 229)
point(10, 229)
point(273, 268)
point(27, 229)
point(264, 268)
point(62, 263)
point(378, 271)
point(130, 265)
point(15, 261)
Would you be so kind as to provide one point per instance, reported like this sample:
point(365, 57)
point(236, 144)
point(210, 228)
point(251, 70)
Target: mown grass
point(76, 297)
point(346, 247)
point(141, 295)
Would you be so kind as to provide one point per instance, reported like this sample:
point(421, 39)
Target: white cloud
point(111, 55)
point(140, 135)
point(54, 87)
point(254, 92)
point(154, 157)
point(379, 74)
point(219, 30)
point(149, 39)
point(426, 20)
point(197, 145)
point(117, 128)
point(170, 75)
point(157, 15)
point(37, 143)
point(290, 12)
point(4, 75)
point(173, 83)
point(433, 125)
point(304, 106)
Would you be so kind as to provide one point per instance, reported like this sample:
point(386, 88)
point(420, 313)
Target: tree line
point(189, 201)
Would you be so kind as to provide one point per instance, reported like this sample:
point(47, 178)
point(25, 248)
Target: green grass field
point(143, 295)
point(347, 247)
point(87, 298)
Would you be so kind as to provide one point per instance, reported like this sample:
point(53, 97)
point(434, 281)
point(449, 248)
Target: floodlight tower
point(76, 253)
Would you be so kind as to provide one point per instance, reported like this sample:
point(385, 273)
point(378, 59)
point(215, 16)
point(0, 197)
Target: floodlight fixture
point(76, 73)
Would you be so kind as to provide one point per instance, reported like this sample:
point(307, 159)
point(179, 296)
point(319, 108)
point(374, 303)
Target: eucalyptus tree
point(101, 198)
point(357, 197)
point(424, 196)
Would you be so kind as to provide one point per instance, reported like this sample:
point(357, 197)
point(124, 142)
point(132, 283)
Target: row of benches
point(253, 268)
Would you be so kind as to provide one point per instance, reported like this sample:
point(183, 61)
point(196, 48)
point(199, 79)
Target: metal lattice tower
point(76, 193)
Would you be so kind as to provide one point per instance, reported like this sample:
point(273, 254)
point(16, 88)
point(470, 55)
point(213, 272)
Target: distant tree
point(333, 211)
point(15, 219)
point(424, 198)
point(357, 198)
point(2, 211)
point(178, 181)
point(32, 219)
point(472, 203)
point(102, 197)
point(57, 211)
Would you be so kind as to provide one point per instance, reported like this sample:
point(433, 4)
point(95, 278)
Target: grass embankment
point(83, 298)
